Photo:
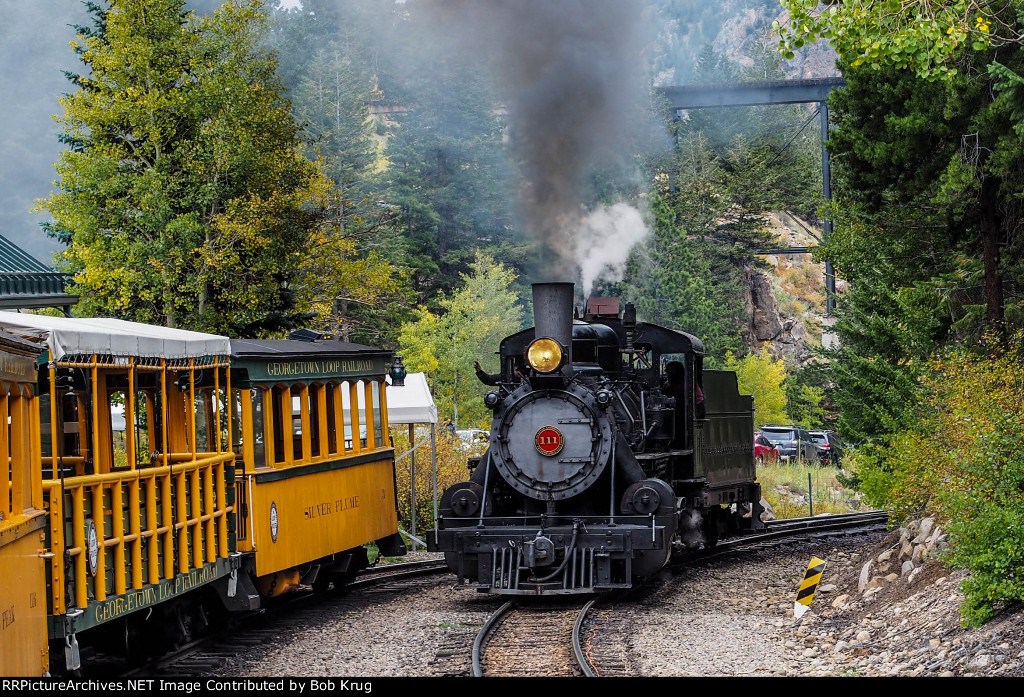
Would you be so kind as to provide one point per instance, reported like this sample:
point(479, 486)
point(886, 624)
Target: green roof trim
point(27, 283)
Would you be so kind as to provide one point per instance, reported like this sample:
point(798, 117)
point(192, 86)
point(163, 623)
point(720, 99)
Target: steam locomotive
point(611, 447)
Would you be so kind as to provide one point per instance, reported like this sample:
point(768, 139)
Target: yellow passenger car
point(23, 519)
point(157, 478)
point(136, 475)
point(315, 469)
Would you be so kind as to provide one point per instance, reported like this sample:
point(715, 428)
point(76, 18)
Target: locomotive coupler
point(538, 552)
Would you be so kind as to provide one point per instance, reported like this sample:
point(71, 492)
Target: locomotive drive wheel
point(715, 526)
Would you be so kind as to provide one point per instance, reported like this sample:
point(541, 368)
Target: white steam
point(603, 240)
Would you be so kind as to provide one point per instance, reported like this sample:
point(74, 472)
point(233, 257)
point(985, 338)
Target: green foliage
point(803, 405)
point(925, 228)
point(982, 416)
point(761, 376)
point(808, 396)
point(185, 200)
point(875, 397)
point(351, 293)
point(472, 323)
point(963, 461)
point(922, 36)
point(987, 527)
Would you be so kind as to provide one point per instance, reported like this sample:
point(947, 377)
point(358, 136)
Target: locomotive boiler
point(611, 447)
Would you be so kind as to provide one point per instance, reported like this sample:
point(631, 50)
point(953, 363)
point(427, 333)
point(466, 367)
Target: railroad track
point(529, 639)
point(209, 653)
point(523, 640)
point(544, 638)
point(526, 638)
point(789, 531)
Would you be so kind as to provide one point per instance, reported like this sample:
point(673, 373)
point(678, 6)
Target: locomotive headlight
point(544, 355)
point(491, 399)
point(604, 397)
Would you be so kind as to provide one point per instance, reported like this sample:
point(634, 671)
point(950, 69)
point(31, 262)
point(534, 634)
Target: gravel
point(722, 618)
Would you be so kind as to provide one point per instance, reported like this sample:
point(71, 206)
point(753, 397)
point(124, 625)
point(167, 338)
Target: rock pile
point(916, 543)
point(895, 610)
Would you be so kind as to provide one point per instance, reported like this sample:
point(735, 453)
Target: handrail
point(135, 531)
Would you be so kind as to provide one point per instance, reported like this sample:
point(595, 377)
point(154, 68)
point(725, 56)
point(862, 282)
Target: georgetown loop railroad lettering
point(318, 367)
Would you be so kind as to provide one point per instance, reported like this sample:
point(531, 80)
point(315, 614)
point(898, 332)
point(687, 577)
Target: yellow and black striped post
point(805, 595)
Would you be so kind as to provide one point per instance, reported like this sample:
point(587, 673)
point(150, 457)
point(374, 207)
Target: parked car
point(765, 451)
point(830, 446)
point(793, 442)
point(473, 438)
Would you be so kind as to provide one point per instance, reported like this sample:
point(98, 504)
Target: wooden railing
point(130, 517)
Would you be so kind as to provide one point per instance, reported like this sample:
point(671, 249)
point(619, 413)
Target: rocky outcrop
point(797, 279)
point(765, 322)
point(786, 336)
point(902, 562)
point(893, 609)
point(747, 26)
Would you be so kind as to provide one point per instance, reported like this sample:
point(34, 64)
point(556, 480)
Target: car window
point(819, 438)
point(780, 435)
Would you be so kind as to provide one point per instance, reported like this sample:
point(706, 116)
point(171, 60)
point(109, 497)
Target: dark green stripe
point(99, 612)
point(303, 470)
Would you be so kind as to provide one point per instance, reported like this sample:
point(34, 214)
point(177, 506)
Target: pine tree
point(186, 200)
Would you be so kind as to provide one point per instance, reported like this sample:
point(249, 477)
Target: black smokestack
point(552, 315)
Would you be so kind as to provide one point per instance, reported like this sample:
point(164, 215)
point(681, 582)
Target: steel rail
point(794, 527)
point(489, 626)
point(578, 653)
point(410, 569)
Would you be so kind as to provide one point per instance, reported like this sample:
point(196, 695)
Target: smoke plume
point(571, 72)
point(603, 239)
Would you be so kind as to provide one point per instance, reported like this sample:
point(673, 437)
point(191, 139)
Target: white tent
point(413, 404)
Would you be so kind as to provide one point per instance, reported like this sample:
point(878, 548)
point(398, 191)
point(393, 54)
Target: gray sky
point(34, 38)
point(34, 50)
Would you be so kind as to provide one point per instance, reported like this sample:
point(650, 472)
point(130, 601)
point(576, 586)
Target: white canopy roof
point(412, 403)
point(87, 335)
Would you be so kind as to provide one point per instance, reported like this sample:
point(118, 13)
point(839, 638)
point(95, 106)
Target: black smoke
point(572, 73)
